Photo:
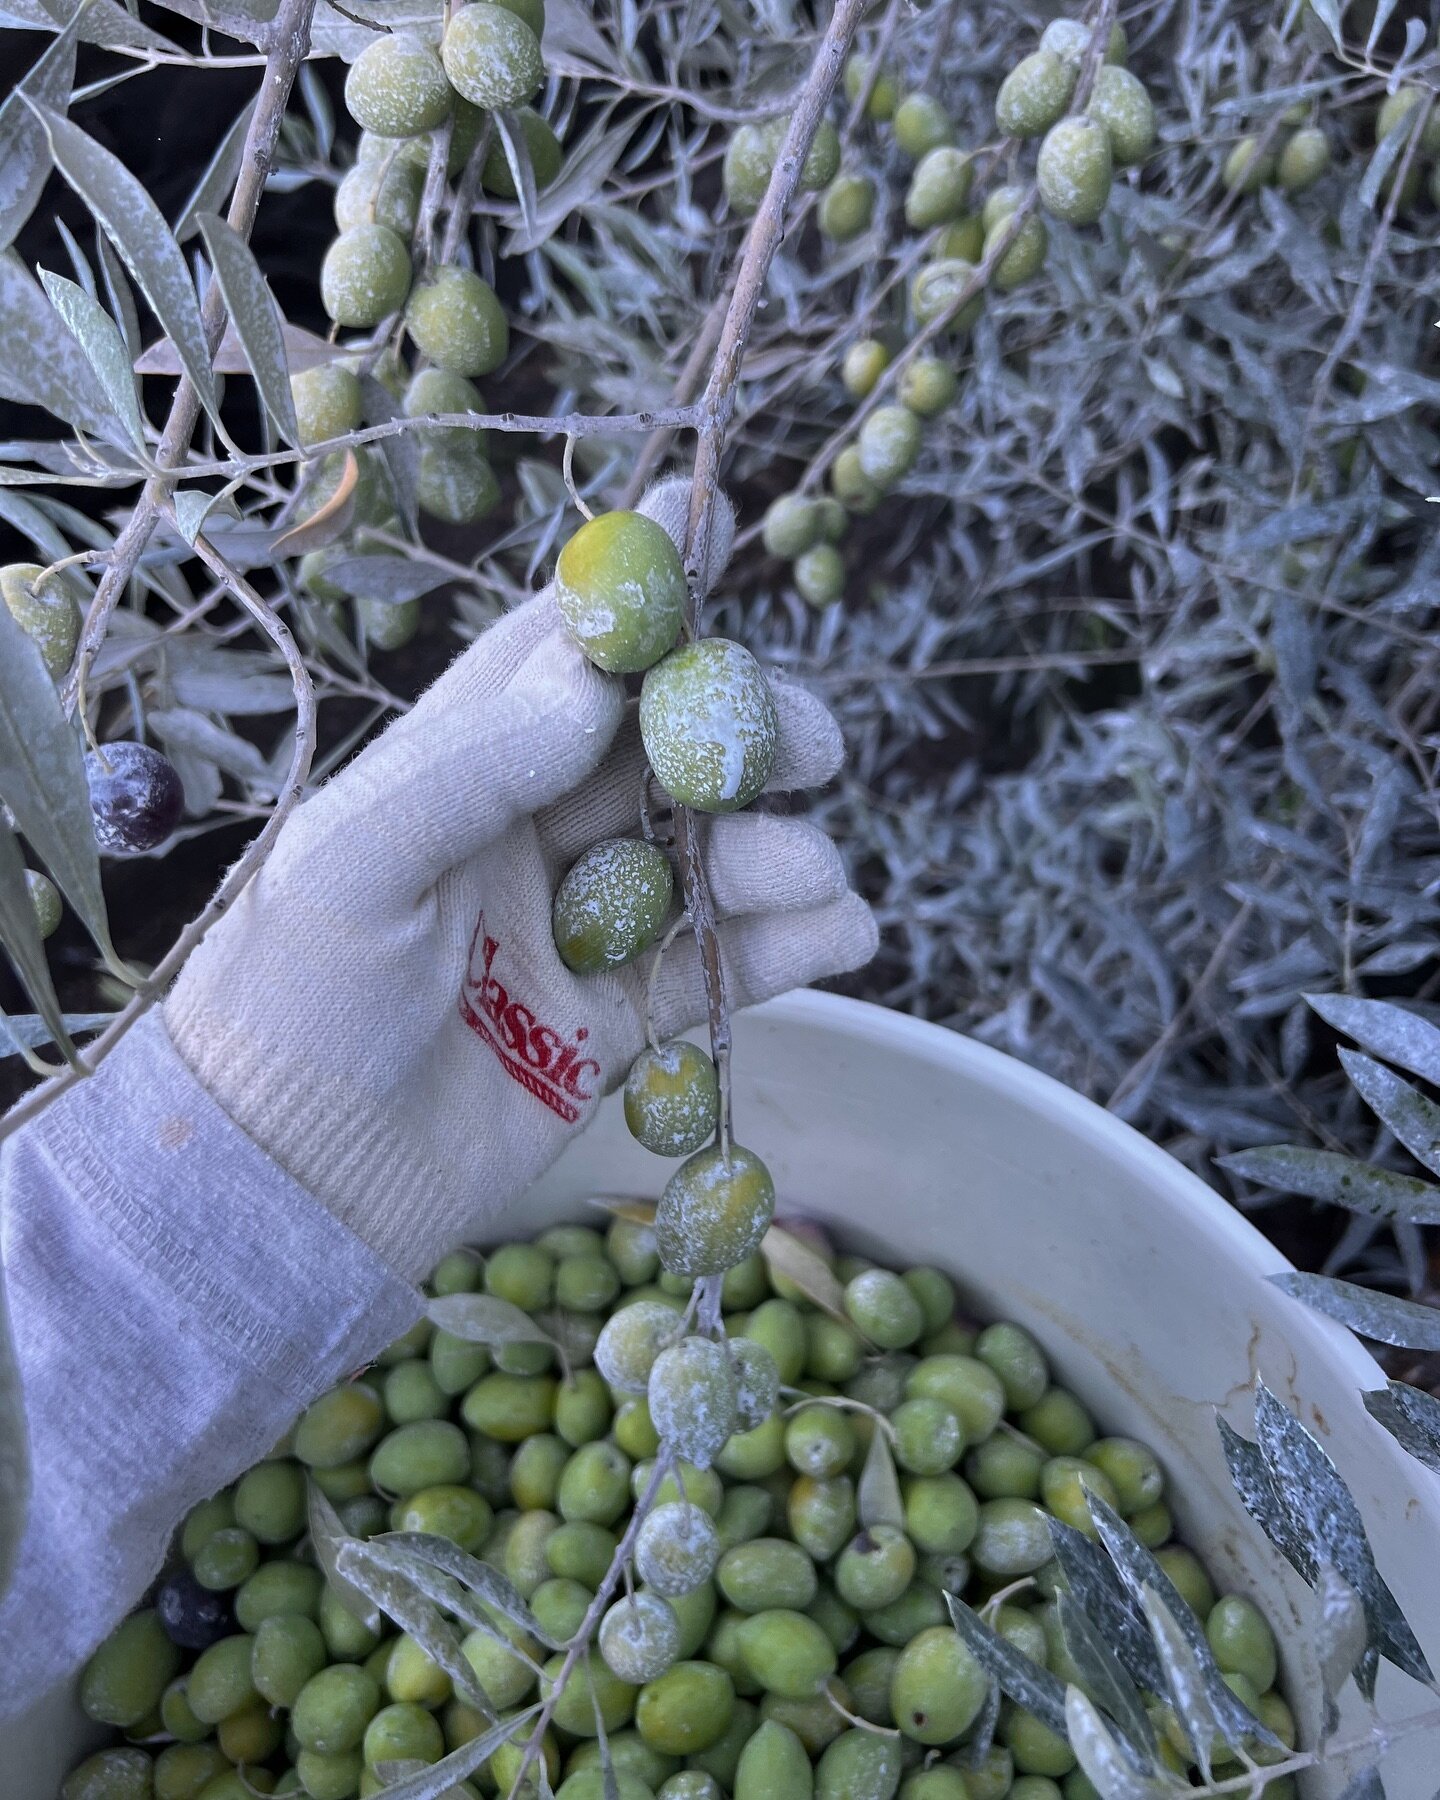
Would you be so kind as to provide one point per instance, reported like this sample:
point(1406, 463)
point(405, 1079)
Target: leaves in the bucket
point(1103, 1673)
point(485, 1319)
point(1022, 1679)
point(437, 1781)
point(791, 1257)
point(408, 1550)
point(1187, 1680)
point(399, 1598)
point(1295, 1494)
point(878, 1500)
point(1103, 1757)
point(1340, 1635)
point(328, 1538)
point(1147, 1582)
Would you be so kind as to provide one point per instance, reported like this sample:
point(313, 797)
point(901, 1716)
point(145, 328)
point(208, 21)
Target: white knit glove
point(384, 1010)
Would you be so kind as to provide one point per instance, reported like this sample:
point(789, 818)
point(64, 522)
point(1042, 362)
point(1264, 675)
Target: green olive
point(672, 1098)
point(125, 1677)
point(708, 724)
point(1072, 170)
point(46, 611)
point(396, 87)
point(612, 904)
point(1034, 95)
point(715, 1209)
point(453, 315)
point(492, 56)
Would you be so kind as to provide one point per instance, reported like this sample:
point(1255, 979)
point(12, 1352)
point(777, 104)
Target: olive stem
point(164, 972)
point(890, 1731)
point(580, 1643)
point(747, 290)
point(567, 469)
point(651, 1036)
point(467, 191)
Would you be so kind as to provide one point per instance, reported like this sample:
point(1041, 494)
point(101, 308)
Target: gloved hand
point(384, 1010)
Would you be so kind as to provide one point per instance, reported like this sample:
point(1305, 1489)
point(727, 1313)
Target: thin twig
point(536, 424)
point(746, 293)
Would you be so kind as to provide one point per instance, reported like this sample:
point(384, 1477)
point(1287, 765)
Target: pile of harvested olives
point(778, 1627)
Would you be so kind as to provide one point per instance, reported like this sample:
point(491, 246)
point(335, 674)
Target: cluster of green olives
point(708, 724)
point(1074, 164)
point(1079, 152)
point(401, 91)
point(767, 1640)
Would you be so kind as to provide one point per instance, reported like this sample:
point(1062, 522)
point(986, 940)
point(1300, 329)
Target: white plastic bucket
point(1149, 1293)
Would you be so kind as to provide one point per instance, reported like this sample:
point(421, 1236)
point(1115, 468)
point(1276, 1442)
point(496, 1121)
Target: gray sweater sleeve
point(175, 1299)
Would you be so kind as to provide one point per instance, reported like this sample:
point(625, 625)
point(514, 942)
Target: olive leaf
point(1024, 1680)
point(476, 1577)
point(42, 779)
point(1098, 1591)
point(328, 521)
point(1391, 1032)
point(98, 336)
point(328, 1537)
point(1384, 1317)
point(1103, 1759)
point(1143, 1577)
point(791, 1257)
point(1413, 1120)
point(391, 580)
point(1411, 1416)
point(1338, 1180)
point(438, 1781)
point(877, 1493)
point(1340, 1635)
point(20, 934)
point(218, 177)
point(24, 148)
point(522, 173)
point(485, 1319)
point(400, 1598)
point(43, 365)
point(136, 227)
point(256, 317)
point(102, 22)
point(400, 452)
point(1293, 1491)
point(623, 1206)
point(1186, 1681)
point(1106, 1680)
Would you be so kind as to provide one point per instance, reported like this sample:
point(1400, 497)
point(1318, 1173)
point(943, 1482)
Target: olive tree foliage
point(1136, 660)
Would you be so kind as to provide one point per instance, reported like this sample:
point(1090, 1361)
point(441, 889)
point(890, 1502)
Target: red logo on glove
point(544, 1062)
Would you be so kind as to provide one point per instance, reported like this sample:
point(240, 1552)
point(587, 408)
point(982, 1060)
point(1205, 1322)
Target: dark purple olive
point(193, 1617)
point(135, 794)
